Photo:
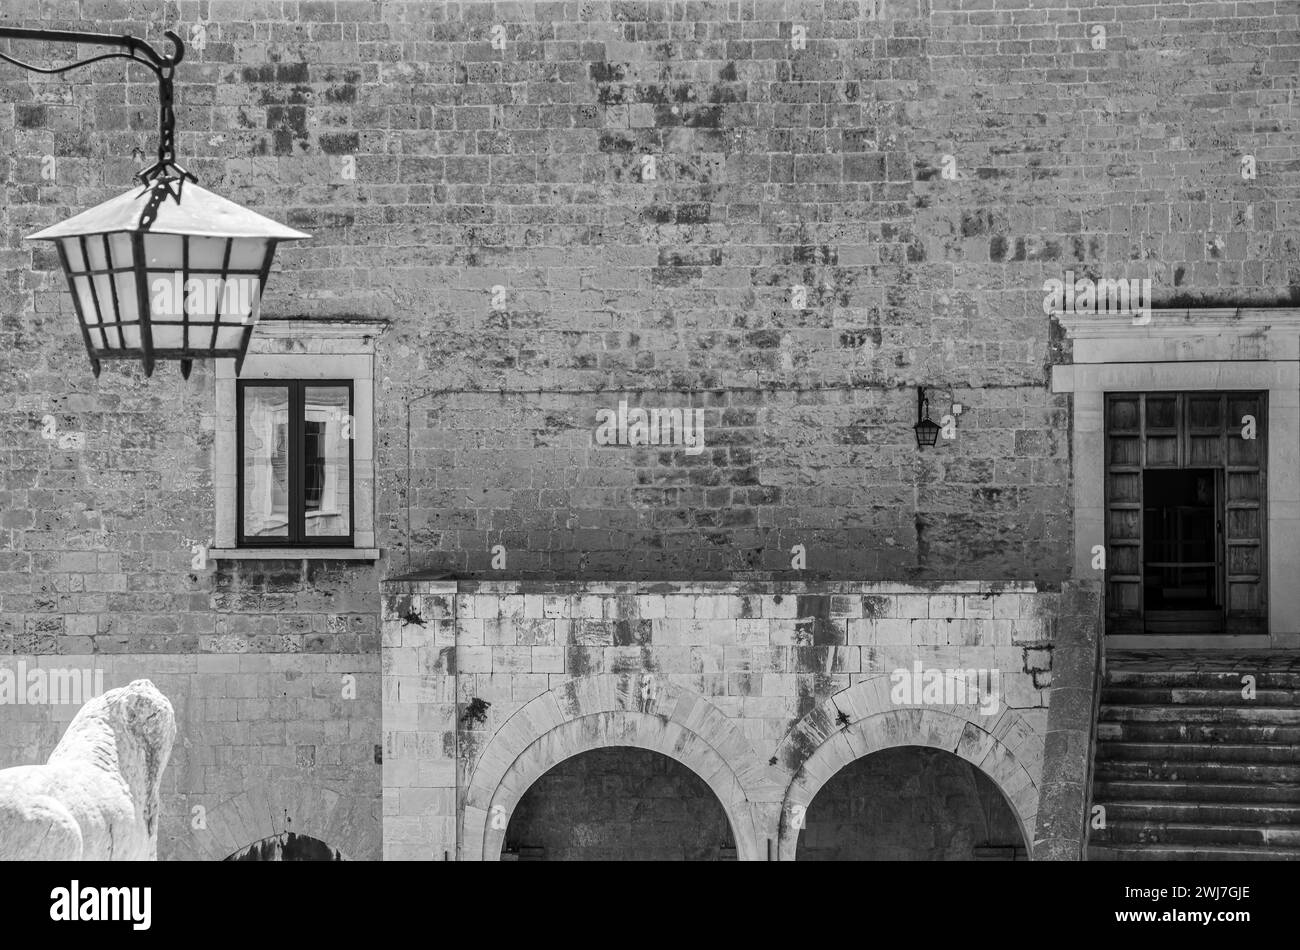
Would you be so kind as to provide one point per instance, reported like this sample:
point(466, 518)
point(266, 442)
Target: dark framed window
point(295, 444)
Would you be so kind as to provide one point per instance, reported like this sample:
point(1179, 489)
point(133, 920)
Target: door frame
point(1184, 350)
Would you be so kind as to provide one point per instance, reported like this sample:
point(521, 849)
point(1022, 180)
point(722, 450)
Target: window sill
point(294, 554)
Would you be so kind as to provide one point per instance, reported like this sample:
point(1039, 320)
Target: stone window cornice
point(1185, 335)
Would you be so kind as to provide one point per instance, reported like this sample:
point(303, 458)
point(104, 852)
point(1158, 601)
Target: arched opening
point(619, 803)
point(287, 846)
point(910, 803)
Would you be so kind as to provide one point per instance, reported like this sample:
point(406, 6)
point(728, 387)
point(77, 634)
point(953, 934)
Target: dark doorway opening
point(911, 803)
point(1182, 549)
point(619, 803)
point(287, 846)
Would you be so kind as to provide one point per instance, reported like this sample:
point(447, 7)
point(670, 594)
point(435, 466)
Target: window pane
point(327, 475)
point(266, 461)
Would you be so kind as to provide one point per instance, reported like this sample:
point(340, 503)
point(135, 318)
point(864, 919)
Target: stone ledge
point(569, 587)
point(294, 554)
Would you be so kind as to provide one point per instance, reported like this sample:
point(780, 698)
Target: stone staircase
point(1187, 768)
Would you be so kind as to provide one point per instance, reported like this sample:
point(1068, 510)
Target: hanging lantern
point(927, 432)
point(168, 271)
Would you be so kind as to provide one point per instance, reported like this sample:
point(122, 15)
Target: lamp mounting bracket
point(137, 51)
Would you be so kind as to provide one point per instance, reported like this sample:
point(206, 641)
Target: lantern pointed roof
point(198, 212)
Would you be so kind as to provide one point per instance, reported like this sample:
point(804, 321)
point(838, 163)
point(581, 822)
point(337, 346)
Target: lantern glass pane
point(202, 296)
point(119, 245)
point(104, 290)
point(130, 336)
point(166, 336)
point(127, 305)
point(229, 337)
point(327, 429)
point(266, 461)
point(240, 299)
point(81, 287)
point(76, 263)
point(166, 294)
point(163, 250)
point(207, 253)
point(95, 252)
point(203, 301)
point(248, 254)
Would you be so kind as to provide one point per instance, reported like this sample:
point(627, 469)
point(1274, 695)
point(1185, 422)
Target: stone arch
point(1003, 746)
point(640, 710)
point(346, 822)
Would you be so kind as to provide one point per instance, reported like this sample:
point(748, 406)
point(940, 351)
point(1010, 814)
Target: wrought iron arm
point(137, 51)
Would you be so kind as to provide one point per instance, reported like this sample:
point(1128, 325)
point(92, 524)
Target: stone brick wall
point(477, 167)
point(764, 681)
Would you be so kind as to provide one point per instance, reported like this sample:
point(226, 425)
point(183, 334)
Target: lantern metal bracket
point(137, 51)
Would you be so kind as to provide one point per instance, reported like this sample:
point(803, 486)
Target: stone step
point(1129, 790)
point(1196, 833)
point(1121, 731)
point(1188, 768)
point(1240, 715)
point(1204, 679)
point(1167, 852)
point(1199, 752)
point(1209, 813)
point(1182, 696)
point(1191, 772)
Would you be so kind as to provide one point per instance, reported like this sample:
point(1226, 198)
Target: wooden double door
point(1186, 513)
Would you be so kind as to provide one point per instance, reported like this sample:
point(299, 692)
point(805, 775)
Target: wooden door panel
point(1243, 559)
point(1126, 488)
point(1162, 451)
point(1126, 451)
point(1162, 412)
point(1124, 440)
point(1204, 412)
point(1243, 524)
point(1126, 559)
point(1243, 486)
point(1125, 524)
point(1205, 451)
point(1243, 598)
point(1124, 415)
point(1124, 599)
point(1244, 452)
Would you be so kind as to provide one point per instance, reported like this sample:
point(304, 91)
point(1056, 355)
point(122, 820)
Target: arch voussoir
point(266, 810)
point(812, 754)
point(637, 710)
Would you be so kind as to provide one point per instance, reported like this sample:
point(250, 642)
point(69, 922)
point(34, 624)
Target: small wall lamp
point(927, 432)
